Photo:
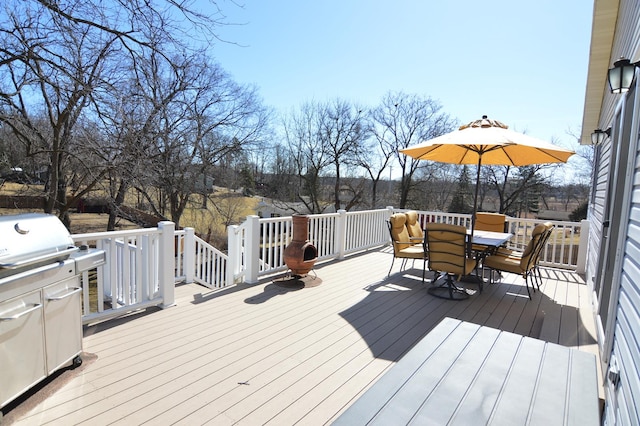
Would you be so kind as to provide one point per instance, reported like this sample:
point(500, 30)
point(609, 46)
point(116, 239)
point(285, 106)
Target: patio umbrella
point(487, 142)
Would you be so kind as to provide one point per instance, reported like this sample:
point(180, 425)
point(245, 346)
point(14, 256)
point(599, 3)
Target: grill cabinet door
point(63, 322)
point(22, 353)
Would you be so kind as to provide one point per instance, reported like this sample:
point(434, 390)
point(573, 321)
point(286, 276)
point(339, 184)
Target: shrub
point(579, 213)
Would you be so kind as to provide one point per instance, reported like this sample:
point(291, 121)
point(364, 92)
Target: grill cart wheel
point(77, 362)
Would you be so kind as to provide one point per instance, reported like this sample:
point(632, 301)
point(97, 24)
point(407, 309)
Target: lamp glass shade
point(598, 136)
point(620, 77)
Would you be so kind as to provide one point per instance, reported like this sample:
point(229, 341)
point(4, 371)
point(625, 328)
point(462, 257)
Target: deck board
point(266, 354)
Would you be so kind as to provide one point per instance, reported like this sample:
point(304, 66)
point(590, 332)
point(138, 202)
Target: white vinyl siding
point(626, 343)
point(596, 208)
point(621, 340)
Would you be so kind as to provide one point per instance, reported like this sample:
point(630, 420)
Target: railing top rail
point(316, 215)
point(275, 219)
point(324, 214)
point(289, 218)
point(237, 229)
point(112, 234)
point(365, 212)
point(555, 222)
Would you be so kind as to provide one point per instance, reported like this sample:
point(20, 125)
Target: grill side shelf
point(39, 259)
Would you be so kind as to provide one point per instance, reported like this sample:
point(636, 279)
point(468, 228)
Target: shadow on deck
point(255, 354)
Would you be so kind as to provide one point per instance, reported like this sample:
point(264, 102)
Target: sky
point(522, 63)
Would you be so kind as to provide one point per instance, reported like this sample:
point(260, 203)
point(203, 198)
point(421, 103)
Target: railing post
point(388, 218)
point(166, 263)
point(189, 254)
point(341, 233)
point(389, 210)
point(581, 262)
point(252, 249)
point(234, 261)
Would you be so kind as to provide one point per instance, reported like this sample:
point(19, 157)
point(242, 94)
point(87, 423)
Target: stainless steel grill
point(40, 300)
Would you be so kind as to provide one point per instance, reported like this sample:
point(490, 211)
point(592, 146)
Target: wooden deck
point(266, 354)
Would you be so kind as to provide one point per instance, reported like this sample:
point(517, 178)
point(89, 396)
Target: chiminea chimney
point(300, 255)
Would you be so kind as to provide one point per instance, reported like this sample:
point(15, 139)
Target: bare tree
point(58, 58)
point(402, 120)
point(46, 89)
point(434, 185)
point(281, 182)
point(326, 140)
point(303, 134)
point(128, 20)
point(374, 160)
point(518, 188)
point(202, 116)
point(230, 208)
point(375, 157)
point(583, 162)
point(343, 131)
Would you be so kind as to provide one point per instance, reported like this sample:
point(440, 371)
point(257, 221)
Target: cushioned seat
point(495, 222)
point(413, 227)
point(447, 252)
point(403, 247)
point(522, 263)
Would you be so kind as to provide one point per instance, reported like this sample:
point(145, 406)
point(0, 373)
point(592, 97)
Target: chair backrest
point(531, 253)
point(413, 227)
point(543, 241)
point(495, 222)
point(446, 245)
point(398, 231)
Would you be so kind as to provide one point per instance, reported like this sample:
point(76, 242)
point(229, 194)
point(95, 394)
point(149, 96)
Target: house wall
point(618, 310)
point(596, 208)
point(621, 343)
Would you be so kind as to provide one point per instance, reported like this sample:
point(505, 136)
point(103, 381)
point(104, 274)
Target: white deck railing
point(143, 265)
point(256, 247)
point(198, 261)
point(566, 248)
point(138, 273)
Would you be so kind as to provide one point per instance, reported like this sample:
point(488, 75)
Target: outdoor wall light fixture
point(598, 136)
point(620, 77)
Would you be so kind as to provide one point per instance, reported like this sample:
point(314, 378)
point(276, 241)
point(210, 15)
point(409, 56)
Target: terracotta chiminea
point(300, 255)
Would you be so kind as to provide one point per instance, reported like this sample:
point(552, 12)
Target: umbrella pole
point(475, 198)
point(475, 206)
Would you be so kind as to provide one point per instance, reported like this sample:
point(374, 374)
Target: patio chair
point(413, 227)
point(494, 222)
point(447, 252)
point(524, 263)
point(403, 247)
point(485, 221)
point(537, 275)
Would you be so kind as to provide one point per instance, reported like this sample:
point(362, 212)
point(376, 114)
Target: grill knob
point(20, 230)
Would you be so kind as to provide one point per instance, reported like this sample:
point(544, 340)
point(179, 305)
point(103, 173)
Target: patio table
point(485, 243)
point(463, 373)
point(490, 239)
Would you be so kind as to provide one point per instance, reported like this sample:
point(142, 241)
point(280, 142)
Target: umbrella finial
point(485, 122)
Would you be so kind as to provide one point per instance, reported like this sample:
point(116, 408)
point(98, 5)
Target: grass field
point(224, 207)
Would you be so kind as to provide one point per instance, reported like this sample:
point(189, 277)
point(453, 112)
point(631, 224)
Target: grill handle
point(73, 291)
point(25, 312)
point(34, 260)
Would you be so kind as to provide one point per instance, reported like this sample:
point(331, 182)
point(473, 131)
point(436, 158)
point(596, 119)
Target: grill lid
point(33, 239)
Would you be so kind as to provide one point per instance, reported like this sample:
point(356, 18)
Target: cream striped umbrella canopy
point(487, 142)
